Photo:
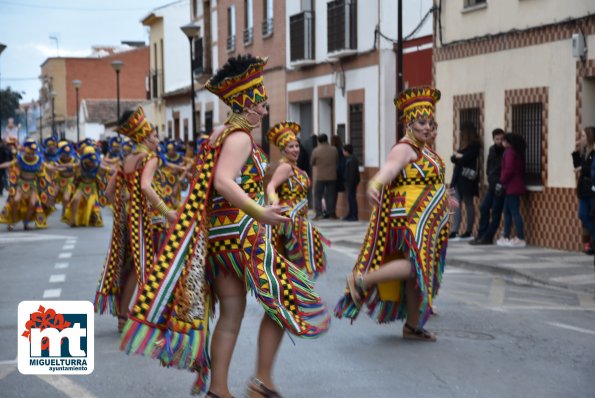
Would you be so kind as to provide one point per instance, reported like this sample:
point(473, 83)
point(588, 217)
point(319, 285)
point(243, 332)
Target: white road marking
point(61, 265)
point(581, 279)
point(68, 247)
point(67, 386)
point(71, 241)
point(52, 293)
point(9, 362)
point(57, 278)
point(65, 255)
point(7, 369)
point(27, 237)
point(570, 327)
point(497, 292)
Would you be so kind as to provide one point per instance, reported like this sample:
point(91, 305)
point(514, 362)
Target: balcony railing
point(231, 44)
point(248, 36)
point(342, 25)
point(301, 32)
point(267, 28)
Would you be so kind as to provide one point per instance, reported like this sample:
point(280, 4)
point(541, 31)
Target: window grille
point(527, 121)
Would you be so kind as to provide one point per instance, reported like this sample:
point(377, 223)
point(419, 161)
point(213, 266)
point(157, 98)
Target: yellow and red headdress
point(136, 127)
point(240, 83)
point(417, 103)
point(282, 133)
point(30, 146)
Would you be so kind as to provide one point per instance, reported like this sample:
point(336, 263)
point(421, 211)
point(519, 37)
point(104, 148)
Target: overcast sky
point(26, 27)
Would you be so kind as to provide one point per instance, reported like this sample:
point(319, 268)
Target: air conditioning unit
point(579, 45)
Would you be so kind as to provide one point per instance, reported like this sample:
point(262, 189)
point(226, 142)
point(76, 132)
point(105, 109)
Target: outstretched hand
point(272, 215)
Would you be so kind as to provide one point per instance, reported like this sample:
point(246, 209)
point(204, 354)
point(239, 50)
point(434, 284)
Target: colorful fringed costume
point(299, 240)
point(170, 320)
point(170, 180)
point(411, 219)
point(90, 190)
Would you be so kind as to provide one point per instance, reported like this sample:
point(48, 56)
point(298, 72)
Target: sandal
point(122, 322)
point(355, 282)
point(255, 386)
point(10, 227)
point(411, 333)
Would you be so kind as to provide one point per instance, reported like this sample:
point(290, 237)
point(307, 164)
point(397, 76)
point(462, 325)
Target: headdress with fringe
point(283, 133)
point(136, 126)
point(417, 102)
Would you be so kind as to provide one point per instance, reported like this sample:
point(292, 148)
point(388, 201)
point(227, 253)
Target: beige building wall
point(156, 35)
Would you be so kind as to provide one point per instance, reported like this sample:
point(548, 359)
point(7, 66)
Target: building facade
point(527, 67)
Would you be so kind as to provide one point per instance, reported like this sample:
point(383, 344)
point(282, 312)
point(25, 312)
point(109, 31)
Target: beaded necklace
point(240, 121)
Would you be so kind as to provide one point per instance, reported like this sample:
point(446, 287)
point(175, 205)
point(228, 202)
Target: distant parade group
point(174, 259)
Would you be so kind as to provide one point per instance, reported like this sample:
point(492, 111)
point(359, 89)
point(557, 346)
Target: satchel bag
point(469, 173)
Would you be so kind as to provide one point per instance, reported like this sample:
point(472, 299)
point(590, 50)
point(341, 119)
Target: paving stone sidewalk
point(565, 269)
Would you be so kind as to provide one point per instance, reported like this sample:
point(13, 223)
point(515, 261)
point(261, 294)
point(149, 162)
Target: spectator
point(11, 130)
point(5, 156)
point(351, 180)
point(336, 142)
point(465, 179)
point(512, 178)
point(324, 161)
point(303, 161)
point(582, 160)
point(490, 209)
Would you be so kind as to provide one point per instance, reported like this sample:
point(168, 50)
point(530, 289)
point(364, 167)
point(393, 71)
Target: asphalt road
point(497, 337)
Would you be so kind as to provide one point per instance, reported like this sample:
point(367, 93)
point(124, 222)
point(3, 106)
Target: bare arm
point(110, 191)
point(234, 153)
point(146, 186)
point(6, 165)
point(397, 159)
point(281, 174)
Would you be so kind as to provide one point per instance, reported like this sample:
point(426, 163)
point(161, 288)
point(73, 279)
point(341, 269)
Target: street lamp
point(2, 47)
point(53, 95)
point(191, 31)
point(117, 65)
point(77, 85)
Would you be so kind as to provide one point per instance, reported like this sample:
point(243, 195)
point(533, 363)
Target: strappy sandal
point(122, 322)
point(355, 282)
point(256, 388)
point(411, 333)
point(211, 394)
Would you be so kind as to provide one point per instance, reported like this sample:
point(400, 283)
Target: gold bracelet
point(273, 197)
point(374, 183)
point(253, 209)
point(162, 208)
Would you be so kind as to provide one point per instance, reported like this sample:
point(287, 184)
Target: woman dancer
point(298, 240)
point(400, 265)
point(137, 226)
point(67, 163)
point(223, 231)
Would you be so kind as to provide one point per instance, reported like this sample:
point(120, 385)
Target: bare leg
point(74, 208)
point(269, 340)
point(395, 269)
point(15, 207)
point(65, 201)
point(232, 302)
point(412, 329)
point(127, 292)
point(30, 209)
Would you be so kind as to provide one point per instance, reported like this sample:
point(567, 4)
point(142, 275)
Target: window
point(473, 3)
point(185, 130)
point(301, 36)
point(162, 65)
point(527, 121)
point(248, 23)
point(169, 129)
point(265, 125)
point(209, 121)
point(194, 9)
point(356, 130)
point(231, 29)
point(197, 56)
point(267, 19)
point(470, 115)
point(341, 25)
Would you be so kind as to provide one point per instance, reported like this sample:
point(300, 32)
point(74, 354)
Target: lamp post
point(2, 47)
point(77, 85)
point(53, 95)
point(191, 31)
point(117, 65)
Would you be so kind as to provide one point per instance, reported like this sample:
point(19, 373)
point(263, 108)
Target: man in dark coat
point(350, 181)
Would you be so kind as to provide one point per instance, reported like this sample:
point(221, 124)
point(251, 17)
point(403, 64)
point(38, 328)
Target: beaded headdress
point(240, 83)
point(136, 127)
point(30, 146)
point(282, 133)
point(417, 102)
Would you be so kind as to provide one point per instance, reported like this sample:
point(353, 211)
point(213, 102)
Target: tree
point(9, 103)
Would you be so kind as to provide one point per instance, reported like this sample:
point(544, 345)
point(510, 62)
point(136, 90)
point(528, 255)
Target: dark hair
point(590, 133)
point(348, 148)
point(497, 131)
point(336, 141)
point(125, 116)
point(234, 66)
point(468, 134)
point(322, 138)
point(517, 142)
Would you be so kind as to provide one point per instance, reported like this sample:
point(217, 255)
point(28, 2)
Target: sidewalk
point(565, 269)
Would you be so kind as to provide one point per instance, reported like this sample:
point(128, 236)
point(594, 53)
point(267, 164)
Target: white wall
point(175, 43)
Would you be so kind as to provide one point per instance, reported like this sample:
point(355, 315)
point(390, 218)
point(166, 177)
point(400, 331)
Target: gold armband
point(253, 209)
point(273, 197)
point(373, 183)
point(162, 208)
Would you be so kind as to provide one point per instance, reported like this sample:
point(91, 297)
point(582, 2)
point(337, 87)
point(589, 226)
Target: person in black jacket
point(582, 159)
point(465, 179)
point(5, 156)
point(490, 209)
point(351, 180)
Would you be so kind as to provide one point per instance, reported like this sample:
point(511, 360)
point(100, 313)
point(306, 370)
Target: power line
point(413, 32)
point(47, 7)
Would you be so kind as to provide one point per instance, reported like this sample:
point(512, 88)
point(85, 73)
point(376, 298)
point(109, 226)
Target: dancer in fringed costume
point(50, 149)
point(66, 164)
point(84, 210)
point(112, 160)
point(218, 249)
point(173, 172)
point(298, 240)
point(127, 148)
point(139, 219)
point(31, 193)
point(399, 268)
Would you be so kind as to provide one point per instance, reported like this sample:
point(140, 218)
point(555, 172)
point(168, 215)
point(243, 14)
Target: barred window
point(470, 115)
point(471, 3)
point(527, 121)
point(356, 130)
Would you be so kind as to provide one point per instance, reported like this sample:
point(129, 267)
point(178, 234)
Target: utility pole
point(399, 65)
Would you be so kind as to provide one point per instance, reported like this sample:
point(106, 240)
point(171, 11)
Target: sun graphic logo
point(55, 337)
